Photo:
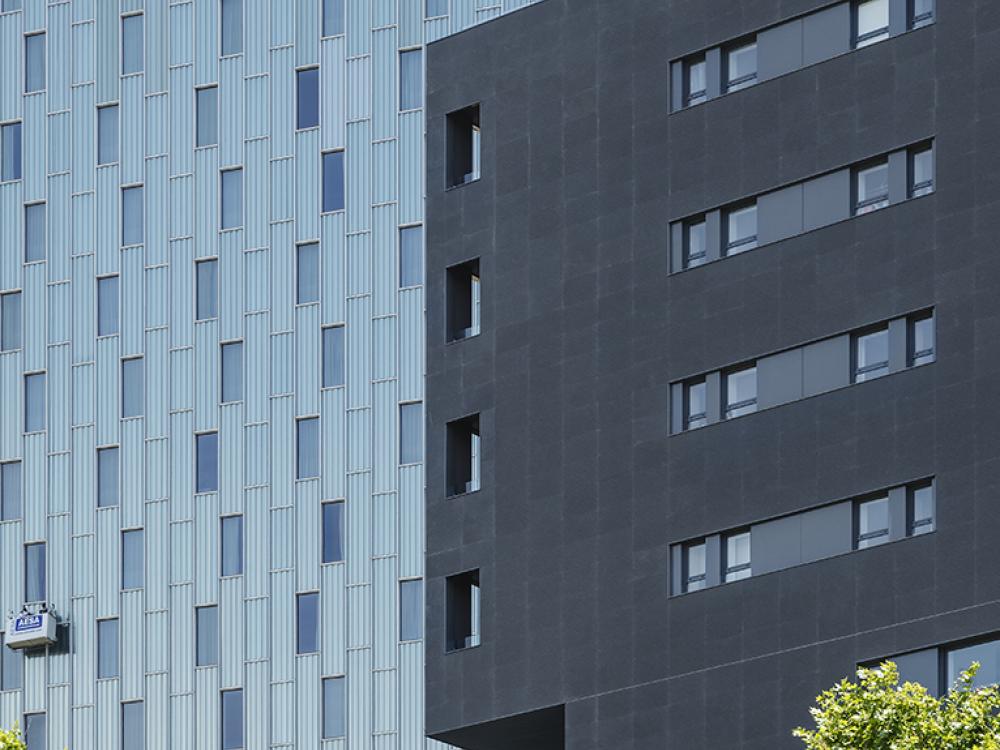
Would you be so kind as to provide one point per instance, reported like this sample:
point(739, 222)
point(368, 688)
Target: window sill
point(328, 212)
point(308, 129)
point(459, 495)
point(333, 562)
point(461, 185)
point(450, 342)
point(462, 650)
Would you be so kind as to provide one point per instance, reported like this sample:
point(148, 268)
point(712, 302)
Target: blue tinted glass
point(307, 90)
point(411, 610)
point(207, 470)
point(232, 372)
point(333, 181)
point(232, 720)
point(34, 62)
point(133, 559)
point(232, 545)
point(333, 707)
point(107, 306)
point(132, 216)
point(232, 198)
point(307, 448)
point(107, 134)
point(132, 378)
point(207, 103)
point(307, 273)
point(307, 628)
point(11, 668)
point(34, 232)
point(411, 433)
point(437, 8)
point(411, 256)
point(333, 356)
point(10, 321)
point(11, 5)
point(333, 17)
point(133, 726)
point(107, 648)
point(10, 490)
point(107, 477)
point(34, 731)
point(207, 626)
point(411, 79)
point(34, 402)
point(132, 44)
point(232, 27)
point(34, 572)
point(10, 162)
point(333, 532)
point(208, 289)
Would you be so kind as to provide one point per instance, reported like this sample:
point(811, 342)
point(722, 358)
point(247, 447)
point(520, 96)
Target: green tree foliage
point(877, 713)
point(11, 739)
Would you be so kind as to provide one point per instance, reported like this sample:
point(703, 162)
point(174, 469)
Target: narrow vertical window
point(34, 63)
point(462, 614)
point(34, 402)
point(737, 563)
point(207, 462)
point(232, 371)
point(206, 621)
point(107, 649)
point(107, 134)
point(232, 27)
point(207, 282)
point(741, 392)
point(133, 725)
point(464, 295)
point(695, 82)
point(35, 733)
point(411, 610)
point(742, 67)
point(921, 13)
point(694, 567)
point(107, 306)
point(307, 98)
point(435, 8)
point(132, 222)
point(333, 356)
point(307, 273)
point(333, 181)
point(872, 522)
point(871, 187)
point(34, 232)
point(132, 387)
point(207, 116)
point(922, 340)
point(307, 448)
point(921, 172)
point(11, 667)
point(232, 198)
point(10, 491)
point(411, 433)
point(741, 229)
point(107, 477)
point(871, 355)
point(133, 559)
point(307, 623)
point(333, 17)
point(920, 513)
point(463, 455)
point(132, 45)
point(334, 709)
point(695, 247)
point(10, 160)
point(411, 79)
point(871, 22)
point(695, 405)
point(34, 572)
point(232, 720)
point(10, 321)
point(411, 256)
point(464, 142)
point(232, 545)
point(333, 532)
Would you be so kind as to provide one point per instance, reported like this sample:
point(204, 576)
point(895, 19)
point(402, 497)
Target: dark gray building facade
point(713, 365)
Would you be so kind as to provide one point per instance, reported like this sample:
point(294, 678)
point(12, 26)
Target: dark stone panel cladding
point(583, 329)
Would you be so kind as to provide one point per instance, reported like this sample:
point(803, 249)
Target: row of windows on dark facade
point(793, 44)
point(802, 207)
point(866, 354)
point(817, 534)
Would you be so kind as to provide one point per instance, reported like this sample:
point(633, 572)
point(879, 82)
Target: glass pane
point(988, 656)
point(133, 559)
point(923, 12)
point(333, 17)
point(34, 731)
point(742, 67)
point(232, 545)
point(133, 726)
point(107, 477)
point(107, 648)
point(34, 62)
point(923, 510)
point(873, 522)
point(307, 273)
point(232, 371)
point(207, 102)
point(872, 355)
point(132, 44)
point(232, 720)
point(738, 557)
point(333, 532)
point(696, 82)
point(207, 281)
point(307, 623)
point(207, 635)
point(333, 707)
point(411, 79)
point(307, 448)
point(207, 458)
point(11, 668)
point(873, 189)
point(10, 317)
point(232, 198)
point(307, 89)
point(232, 27)
point(411, 256)
point(10, 491)
point(107, 306)
point(437, 8)
point(695, 567)
point(742, 230)
point(411, 433)
point(34, 402)
point(696, 244)
point(132, 229)
point(333, 356)
point(107, 134)
point(10, 163)
point(34, 572)
point(923, 173)
point(872, 21)
point(741, 392)
point(34, 232)
point(8, 5)
point(333, 181)
point(132, 397)
point(923, 341)
point(411, 610)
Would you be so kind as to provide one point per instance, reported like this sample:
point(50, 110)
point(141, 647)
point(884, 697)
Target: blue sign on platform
point(31, 622)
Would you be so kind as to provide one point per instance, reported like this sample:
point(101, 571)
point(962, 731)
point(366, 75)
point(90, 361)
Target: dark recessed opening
point(464, 449)
point(463, 610)
point(463, 146)
point(463, 295)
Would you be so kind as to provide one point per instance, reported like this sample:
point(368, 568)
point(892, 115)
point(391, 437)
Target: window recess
point(464, 455)
point(464, 294)
point(464, 146)
point(463, 603)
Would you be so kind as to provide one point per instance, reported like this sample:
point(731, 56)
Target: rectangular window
point(207, 116)
point(107, 649)
point(922, 340)
point(132, 45)
point(871, 355)
point(333, 17)
point(34, 402)
point(464, 454)
point(132, 386)
point(132, 222)
point(9, 5)
point(10, 491)
point(307, 623)
point(10, 321)
point(133, 725)
point(694, 567)
point(207, 462)
point(333, 356)
point(464, 146)
point(333, 181)
point(435, 8)
point(307, 448)
point(464, 294)
point(871, 22)
point(34, 232)
point(107, 306)
point(307, 273)
point(737, 550)
point(920, 509)
point(232, 198)
point(232, 371)
point(411, 256)
point(411, 610)
point(872, 522)
point(232, 545)
point(695, 405)
point(334, 710)
point(741, 392)
point(741, 228)
point(307, 98)
point(695, 82)
point(107, 134)
point(921, 13)
point(133, 559)
point(34, 63)
point(107, 477)
point(35, 734)
point(34, 572)
point(10, 161)
point(695, 248)
point(232, 27)
point(921, 171)
point(207, 282)
point(11, 666)
point(462, 610)
point(411, 79)
point(988, 656)
point(333, 532)
point(871, 188)
point(411, 433)
point(232, 720)
point(206, 623)
point(742, 67)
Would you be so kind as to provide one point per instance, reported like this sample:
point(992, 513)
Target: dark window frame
point(746, 403)
point(868, 38)
point(747, 79)
point(866, 373)
point(861, 539)
point(699, 579)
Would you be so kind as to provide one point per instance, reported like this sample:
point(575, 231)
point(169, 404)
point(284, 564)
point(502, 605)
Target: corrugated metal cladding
point(260, 300)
